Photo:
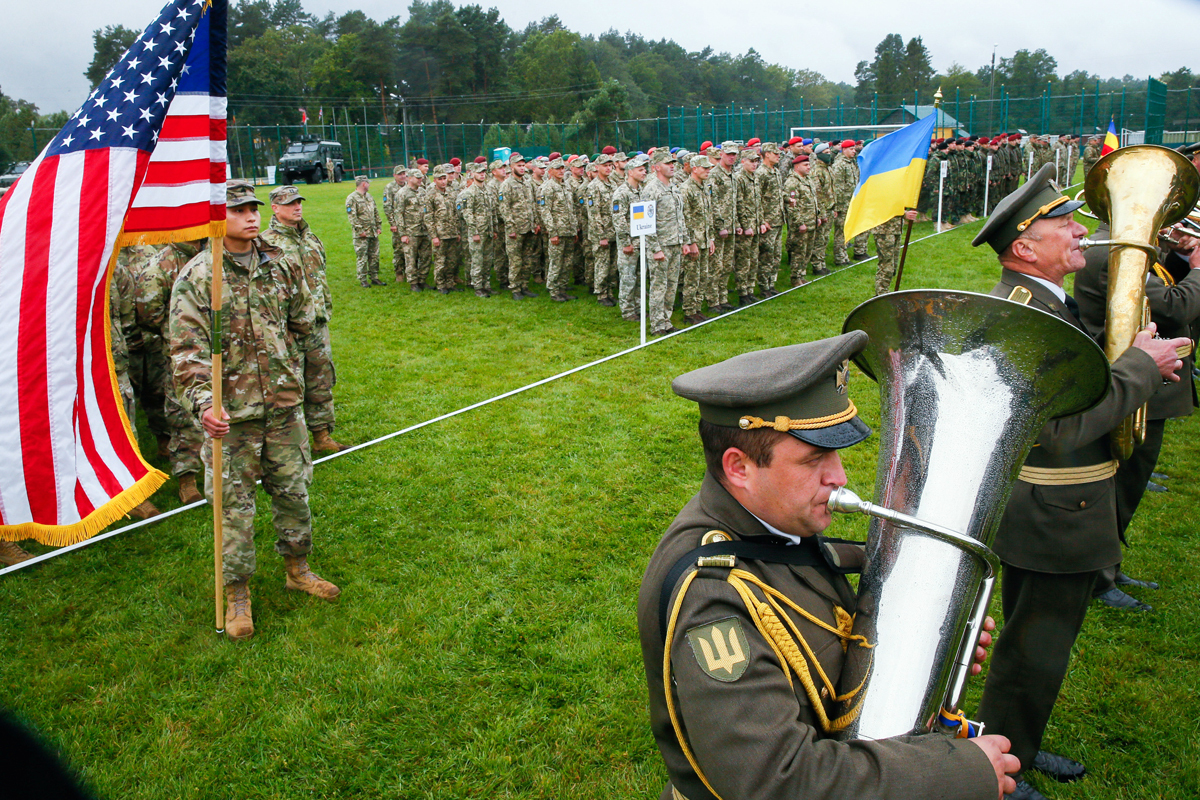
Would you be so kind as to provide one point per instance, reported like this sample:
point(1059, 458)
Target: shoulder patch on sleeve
point(501, 195)
point(590, 201)
point(720, 649)
point(616, 206)
point(542, 201)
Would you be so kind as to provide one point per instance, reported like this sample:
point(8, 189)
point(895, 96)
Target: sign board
point(989, 164)
point(642, 218)
point(945, 168)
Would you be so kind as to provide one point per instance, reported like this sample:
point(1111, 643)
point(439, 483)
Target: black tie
point(1072, 306)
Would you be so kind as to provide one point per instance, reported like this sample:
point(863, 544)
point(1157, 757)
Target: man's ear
point(1022, 250)
point(737, 466)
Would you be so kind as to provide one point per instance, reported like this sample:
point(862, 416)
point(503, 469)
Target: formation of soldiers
point(563, 220)
point(970, 191)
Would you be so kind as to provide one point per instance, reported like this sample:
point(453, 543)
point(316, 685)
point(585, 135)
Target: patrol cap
point(361, 178)
point(604, 158)
point(639, 160)
point(476, 166)
point(730, 147)
point(620, 156)
point(439, 170)
point(512, 157)
point(663, 157)
point(749, 155)
point(541, 161)
point(240, 193)
point(701, 161)
point(284, 195)
point(1038, 198)
point(399, 169)
point(415, 173)
point(497, 164)
point(800, 389)
point(770, 147)
point(556, 163)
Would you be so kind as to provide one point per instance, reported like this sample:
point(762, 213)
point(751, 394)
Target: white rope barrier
point(512, 393)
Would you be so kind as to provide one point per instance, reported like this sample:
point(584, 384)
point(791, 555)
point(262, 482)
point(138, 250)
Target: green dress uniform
point(743, 653)
point(1059, 528)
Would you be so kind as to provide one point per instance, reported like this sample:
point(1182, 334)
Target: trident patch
point(720, 649)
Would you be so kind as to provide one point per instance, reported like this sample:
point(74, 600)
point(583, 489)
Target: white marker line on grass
point(164, 515)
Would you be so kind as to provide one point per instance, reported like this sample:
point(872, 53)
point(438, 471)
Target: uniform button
point(1083, 503)
point(824, 692)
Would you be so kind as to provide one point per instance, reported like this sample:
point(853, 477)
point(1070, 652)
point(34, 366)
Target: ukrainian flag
point(890, 173)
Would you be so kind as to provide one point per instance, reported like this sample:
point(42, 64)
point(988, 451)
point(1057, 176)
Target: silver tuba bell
point(966, 384)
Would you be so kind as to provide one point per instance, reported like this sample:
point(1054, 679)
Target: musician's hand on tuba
point(985, 641)
point(996, 748)
point(1163, 351)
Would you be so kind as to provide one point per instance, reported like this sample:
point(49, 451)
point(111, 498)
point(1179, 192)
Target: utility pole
point(992, 95)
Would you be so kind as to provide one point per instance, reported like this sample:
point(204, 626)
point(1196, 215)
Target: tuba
point(966, 384)
point(1137, 190)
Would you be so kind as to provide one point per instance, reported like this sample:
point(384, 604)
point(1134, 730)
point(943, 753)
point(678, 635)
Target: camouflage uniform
point(844, 181)
point(887, 245)
point(749, 218)
point(365, 225)
point(557, 215)
point(724, 208)
point(770, 244)
point(1091, 154)
point(499, 246)
point(120, 357)
point(579, 252)
point(518, 210)
point(801, 211)
point(822, 182)
point(669, 238)
point(269, 337)
point(302, 246)
point(409, 210)
point(152, 305)
point(477, 215)
point(148, 366)
point(627, 263)
point(442, 223)
point(600, 226)
point(391, 213)
point(698, 222)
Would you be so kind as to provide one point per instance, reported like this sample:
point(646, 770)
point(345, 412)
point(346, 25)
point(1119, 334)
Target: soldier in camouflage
point(148, 363)
point(600, 231)
point(478, 216)
point(152, 304)
point(366, 227)
point(750, 226)
point(627, 249)
point(392, 215)
point(408, 210)
point(665, 246)
point(442, 223)
point(518, 209)
point(724, 205)
point(273, 361)
point(699, 247)
point(844, 181)
point(582, 258)
point(770, 242)
point(557, 215)
point(822, 180)
point(497, 174)
point(292, 234)
point(887, 245)
point(801, 210)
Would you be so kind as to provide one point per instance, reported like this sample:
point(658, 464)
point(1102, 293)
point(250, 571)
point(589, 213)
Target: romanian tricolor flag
point(1111, 142)
point(890, 173)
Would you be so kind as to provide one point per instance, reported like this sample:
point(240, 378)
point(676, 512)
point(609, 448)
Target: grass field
point(485, 643)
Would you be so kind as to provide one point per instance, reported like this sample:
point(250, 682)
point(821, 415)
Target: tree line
point(448, 64)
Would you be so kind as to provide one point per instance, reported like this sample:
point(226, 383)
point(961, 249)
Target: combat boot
point(324, 443)
point(302, 579)
point(164, 446)
point(188, 493)
point(144, 510)
point(11, 553)
point(239, 624)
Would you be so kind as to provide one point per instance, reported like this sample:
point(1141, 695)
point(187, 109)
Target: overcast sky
point(42, 58)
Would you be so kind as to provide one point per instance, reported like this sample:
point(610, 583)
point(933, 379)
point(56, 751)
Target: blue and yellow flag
point(890, 173)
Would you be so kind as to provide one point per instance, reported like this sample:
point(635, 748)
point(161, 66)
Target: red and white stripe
point(54, 369)
point(185, 182)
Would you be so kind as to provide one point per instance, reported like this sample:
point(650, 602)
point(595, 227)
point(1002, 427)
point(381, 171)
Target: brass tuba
point(1137, 190)
point(966, 383)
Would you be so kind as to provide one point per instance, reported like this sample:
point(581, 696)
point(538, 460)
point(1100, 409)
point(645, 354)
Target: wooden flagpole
point(903, 252)
point(218, 256)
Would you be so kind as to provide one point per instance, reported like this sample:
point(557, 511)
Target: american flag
point(70, 465)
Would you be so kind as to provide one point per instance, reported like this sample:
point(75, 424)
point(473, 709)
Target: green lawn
point(485, 643)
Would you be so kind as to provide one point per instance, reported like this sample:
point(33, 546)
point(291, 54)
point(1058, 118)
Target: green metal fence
point(375, 147)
